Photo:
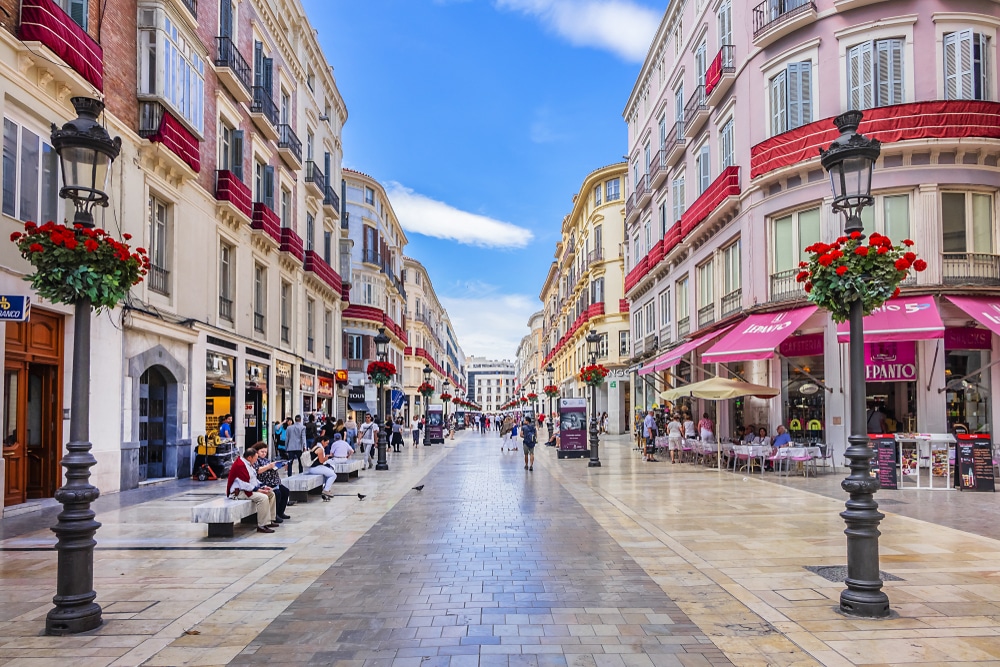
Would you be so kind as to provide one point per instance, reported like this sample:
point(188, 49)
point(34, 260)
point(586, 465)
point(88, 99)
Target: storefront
point(220, 389)
point(324, 392)
point(803, 387)
point(341, 378)
point(307, 388)
point(282, 391)
point(255, 406)
point(356, 403)
point(968, 361)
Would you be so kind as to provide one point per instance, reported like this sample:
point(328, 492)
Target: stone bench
point(221, 513)
point(300, 485)
point(347, 470)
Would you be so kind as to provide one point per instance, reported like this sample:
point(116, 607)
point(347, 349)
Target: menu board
point(883, 464)
point(974, 462)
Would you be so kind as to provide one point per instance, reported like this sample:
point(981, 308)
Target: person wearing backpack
point(529, 436)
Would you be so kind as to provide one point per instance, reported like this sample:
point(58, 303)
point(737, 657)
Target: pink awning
point(757, 336)
point(902, 318)
point(671, 358)
point(983, 309)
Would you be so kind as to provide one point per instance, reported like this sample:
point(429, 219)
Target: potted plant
point(426, 389)
point(551, 390)
point(380, 372)
point(593, 375)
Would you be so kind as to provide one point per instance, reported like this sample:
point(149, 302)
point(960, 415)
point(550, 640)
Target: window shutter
point(267, 81)
point(258, 64)
point(269, 186)
point(890, 72)
point(725, 24)
point(78, 12)
point(779, 109)
point(704, 170)
point(236, 159)
point(326, 168)
point(859, 77)
point(225, 18)
point(958, 65)
point(799, 94)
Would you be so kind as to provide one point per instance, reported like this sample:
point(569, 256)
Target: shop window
point(790, 235)
point(967, 222)
point(30, 175)
point(968, 390)
point(803, 397)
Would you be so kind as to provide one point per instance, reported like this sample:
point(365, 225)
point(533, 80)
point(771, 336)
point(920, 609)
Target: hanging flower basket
point(426, 389)
point(850, 270)
point(456, 400)
point(593, 375)
point(551, 390)
point(446, 397)
point(532, 397)
point(524, 399)
point(75, 263)
point(380, 372)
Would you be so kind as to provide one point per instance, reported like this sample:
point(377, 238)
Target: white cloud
point(622, 27)
point(489, 323)
point(543, 127)
point(430, 217)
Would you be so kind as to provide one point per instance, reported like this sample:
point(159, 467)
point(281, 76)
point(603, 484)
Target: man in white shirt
point(340, 451)
point(368, 436)
point(649, 432)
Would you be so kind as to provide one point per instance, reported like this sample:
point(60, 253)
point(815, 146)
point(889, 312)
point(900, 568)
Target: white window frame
point(970, 236)
point(42, 213)
point(677, 196)
point(682, 305)
point(158, 243)
point(179, 80)
point(874, 217)
point(612, 190)
point(727, 145)
point(959, 45)
point(703, 167)
point(650, 317)
point(732, 267)
point(797, 241)
point(664, 299)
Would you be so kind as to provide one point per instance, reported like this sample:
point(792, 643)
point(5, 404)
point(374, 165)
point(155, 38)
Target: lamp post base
point(872, 605)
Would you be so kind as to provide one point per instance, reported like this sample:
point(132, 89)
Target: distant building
point(491, 383)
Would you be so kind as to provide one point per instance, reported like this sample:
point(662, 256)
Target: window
point(612, 190)
point(790, 93)
point(677, 190)
point(602, 346)
point(285, 117)
point(965, 65)
point(648, 235)
point(725, 20)
point(597, 195)
point(663, 130)
point(731, 259)
point(310, 324)
point(231, 149)
point(286, 312)
point(310, 232)
point(727, 156)
point(890, 216)
point(706, 284)
point(704, 168)
point(637, 249)
point(311, 79)
point(700, 66)
point(263, 184)
point(967, 222)
point(650, 317)
point(598, 240)
point(637, 323)
point(875, 74)
point(679, 107)
point(227, 12)
point(597, 290)
point(664, 220)
point(77, 10)
point(170, 69)
point(646, 157)
point(286, 208)
point(791, 234)
point(665, 308)
point(355, 346)
point(158, 273)
point(369, 196)
point(226, 282)
point(30, 175)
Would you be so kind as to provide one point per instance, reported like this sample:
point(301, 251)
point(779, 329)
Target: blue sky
point(481, 118)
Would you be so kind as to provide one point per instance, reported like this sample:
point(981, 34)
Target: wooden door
point(41, 430)
point(14, 450)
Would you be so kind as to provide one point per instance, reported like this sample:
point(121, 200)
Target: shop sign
point(283, 374)
point(325, 388)
point(356, 394)
point(891, 362)
point(974, 462)
point(341, 376)
point(15, 308)
point(809, 345)
point(307, 383)
point(968, 338)
point(218, 368)
point(256, 376)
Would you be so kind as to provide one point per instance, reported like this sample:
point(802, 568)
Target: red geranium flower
point(910, 257)
point(803, 265)
point(809, 287)
point(842, 239)
point(36, 247)
point(907, 242)
point(882, 250)
point(896, 293)
point(855, 235)
point(861, 250)
point(91, 245)
point(902, 264)
point(802, 277)
point(826, 260)
point(841, 270)
point(919, 265)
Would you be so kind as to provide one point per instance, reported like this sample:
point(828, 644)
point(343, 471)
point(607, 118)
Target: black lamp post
point(86, 152)
point(427, 379)
point(850, 160)
point(550, 373)
point(534, 401)
point(382, 350)
point(444, 390)
point(592, 342)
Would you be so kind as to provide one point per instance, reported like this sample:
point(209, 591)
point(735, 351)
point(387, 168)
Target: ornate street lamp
point(427, 379)
point(86, 152)
point(444, 390)
point(593, 340)
point(382, 351)
point(550, 373)
point(850, 160)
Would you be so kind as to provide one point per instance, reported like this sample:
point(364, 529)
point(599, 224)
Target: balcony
point(171, 144)
point(234, 201)
point(970, 268)
point(630, 208)
point(658, 169)
point(720, 75)
point(316, 265)
point(695, 112)
point(289, 147)
point(674, 145)
point(683, 326)
point(225, 308)
point(331, 202)
point(370, 256)
point(232, 69)
point(706, 315)
point(264, 113)
point(315, 179)
point(159, 280)
point(49, 37)
point(192, 6)
point(732, 302)
point(291, 243)
point(266, 222)
point(717, 203)
point(773, 19)
point(784, 287)
point(258, 322)
point(595, 256)
point(643, 191)
point(569, 250)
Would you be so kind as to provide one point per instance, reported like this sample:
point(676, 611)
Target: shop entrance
point(152, 424)
point(897, 403)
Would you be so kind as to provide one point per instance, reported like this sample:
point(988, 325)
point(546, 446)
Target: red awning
point(902, 318)
point(671, 358)
point(983, 309)
point(757, 336)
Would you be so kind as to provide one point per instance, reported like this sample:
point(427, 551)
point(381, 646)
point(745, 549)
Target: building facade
point(491, 382)
point(726, 190)
point(584, 290)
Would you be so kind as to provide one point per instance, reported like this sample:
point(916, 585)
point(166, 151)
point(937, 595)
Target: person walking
point(415, 430)
point(367, 435)
point(504, 429)
point(312, 431)
point(706, 429)
point(675, 436)
point(529, 438)
point(689, 431)
point(351, 431)
point(397, 435)
point(649, 433)
point(295, 444)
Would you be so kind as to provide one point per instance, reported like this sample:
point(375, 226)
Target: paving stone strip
point(490, 565)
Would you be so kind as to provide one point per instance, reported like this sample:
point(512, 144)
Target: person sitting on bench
point(340, 451)
point(243, 483)
point(317, 466)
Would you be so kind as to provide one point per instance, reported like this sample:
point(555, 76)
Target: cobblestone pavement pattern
point(491, 566)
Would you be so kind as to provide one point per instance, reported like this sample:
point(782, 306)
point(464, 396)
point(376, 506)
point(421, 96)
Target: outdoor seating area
point(792, 459)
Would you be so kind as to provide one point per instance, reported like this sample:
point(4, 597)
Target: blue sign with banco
point(14, 308)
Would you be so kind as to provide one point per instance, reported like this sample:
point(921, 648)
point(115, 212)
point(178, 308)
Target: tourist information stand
point(572, 428)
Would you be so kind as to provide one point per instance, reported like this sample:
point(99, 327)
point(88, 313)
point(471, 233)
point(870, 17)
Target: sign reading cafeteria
point(890, 362)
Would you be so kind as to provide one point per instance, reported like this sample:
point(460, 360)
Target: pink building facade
point(726, 189)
